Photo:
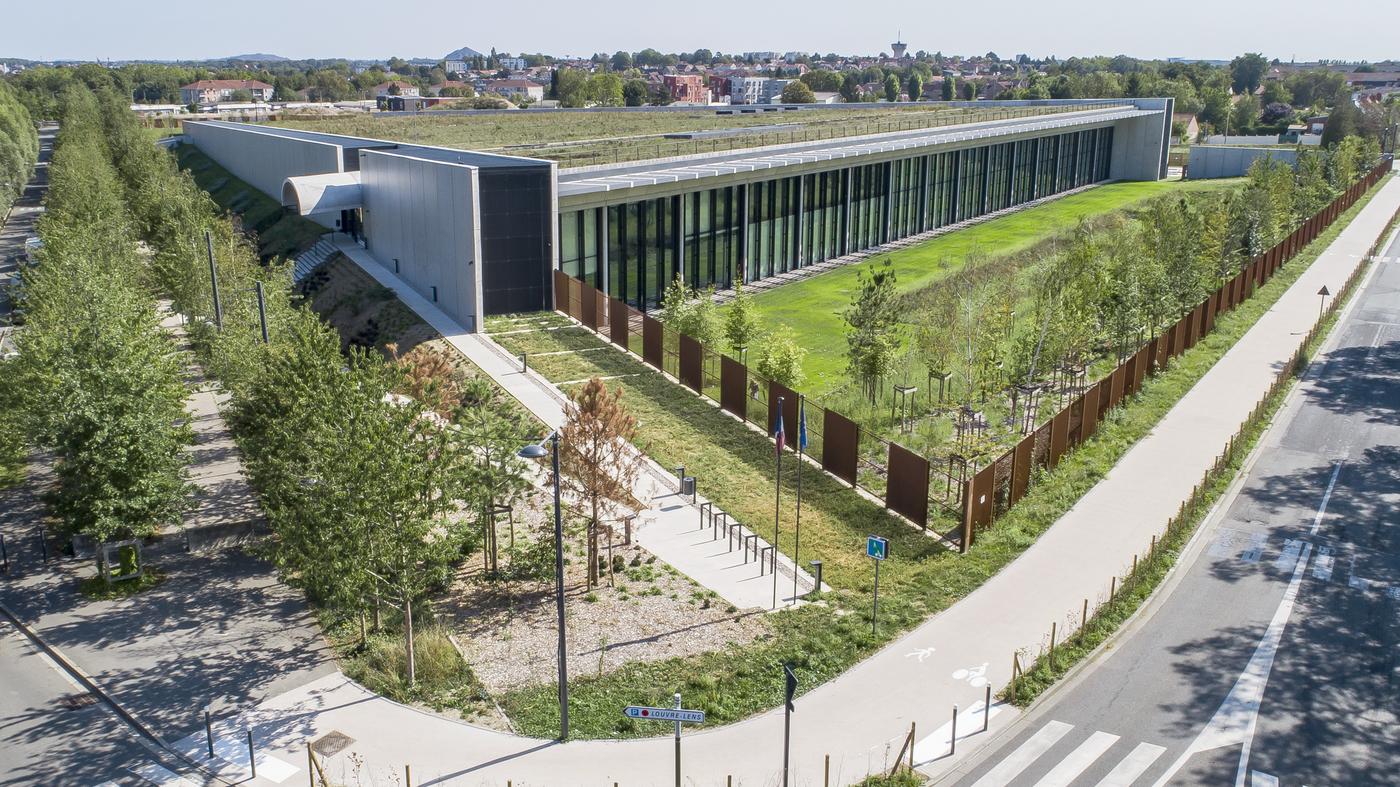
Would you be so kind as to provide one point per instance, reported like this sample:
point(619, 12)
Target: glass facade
point(715, 236)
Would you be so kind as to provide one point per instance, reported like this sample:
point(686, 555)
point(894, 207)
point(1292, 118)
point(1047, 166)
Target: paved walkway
point(860, 718)
point(223, 508)
point(670, 525)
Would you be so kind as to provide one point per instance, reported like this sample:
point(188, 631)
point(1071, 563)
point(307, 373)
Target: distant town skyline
point(148, 30)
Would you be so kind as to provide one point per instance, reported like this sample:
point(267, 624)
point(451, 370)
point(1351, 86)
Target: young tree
point(741, 325)
point(780, 358)
point(634, 93)
point(495, 475)
point(891, 88)
point(596, 456)
point(686, 311)
point(916, 87)
point(872, 328)
point(949, 88)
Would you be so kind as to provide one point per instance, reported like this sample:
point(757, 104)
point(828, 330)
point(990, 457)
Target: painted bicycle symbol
point(975, 676)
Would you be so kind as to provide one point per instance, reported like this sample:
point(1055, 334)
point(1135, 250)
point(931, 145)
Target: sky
point(365, 29)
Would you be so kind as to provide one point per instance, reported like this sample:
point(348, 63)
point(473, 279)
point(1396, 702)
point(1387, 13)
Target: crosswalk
point(1054, 756)
point(230, 760)
point(1130, 760)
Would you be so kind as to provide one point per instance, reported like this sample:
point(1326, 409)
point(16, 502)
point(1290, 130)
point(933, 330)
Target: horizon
point(139, 31)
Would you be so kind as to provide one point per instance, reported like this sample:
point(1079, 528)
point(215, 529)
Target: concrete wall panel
point(425, 214)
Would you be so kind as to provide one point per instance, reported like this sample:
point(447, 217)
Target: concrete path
point(860, 718)
point(670, 526)
point(223, 508)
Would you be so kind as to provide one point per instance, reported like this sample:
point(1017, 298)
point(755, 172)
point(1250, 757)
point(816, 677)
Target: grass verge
point(279, 233)
point(735, 467)
point(98, 589)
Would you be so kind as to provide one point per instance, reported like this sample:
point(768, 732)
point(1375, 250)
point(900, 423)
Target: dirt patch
point(506, 629)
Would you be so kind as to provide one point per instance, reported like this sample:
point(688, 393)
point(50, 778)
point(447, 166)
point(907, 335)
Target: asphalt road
point(1274, 655)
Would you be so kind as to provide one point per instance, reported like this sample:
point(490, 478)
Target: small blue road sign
point(877, 547)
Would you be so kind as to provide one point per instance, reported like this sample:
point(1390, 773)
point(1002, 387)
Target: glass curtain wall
point(714, 235)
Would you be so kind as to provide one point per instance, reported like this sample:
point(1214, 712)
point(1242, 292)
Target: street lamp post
point(536, 451)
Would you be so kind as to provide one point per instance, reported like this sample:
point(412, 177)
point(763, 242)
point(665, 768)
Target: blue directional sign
point(876, 547)
point(664, 714)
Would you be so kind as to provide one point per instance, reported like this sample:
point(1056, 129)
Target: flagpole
point(779, 439)
point(801, 444)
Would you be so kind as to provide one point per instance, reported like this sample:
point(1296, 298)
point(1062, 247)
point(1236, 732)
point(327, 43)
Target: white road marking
point(970, 722)
point(1261, 779)
point(1288, 558)
point(1256, 548)
point(1371, 353)
point(155, 774)
point(1322, 564)
point(1131, 767)
point(1326, 496)
point(1025, 754)
point(1234, 721)
point(1078, 760)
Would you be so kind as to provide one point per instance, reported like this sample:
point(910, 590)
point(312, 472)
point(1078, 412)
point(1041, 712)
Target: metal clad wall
point(264, 160)
point(424, 214)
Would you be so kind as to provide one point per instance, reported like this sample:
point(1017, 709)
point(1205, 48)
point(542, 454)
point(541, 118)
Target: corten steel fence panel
point(1001, 484)
point(840, 445)
point(1115, 388)
point(1076, 417)
point(1059, 436)
point(618, 314)
point(1168, 345)
point(982, 496)
point(1212, 307)
point(1130, 377)
point(733, 382)
point(600, 308)
point(1021, 467)
point(1191, 330)
point(588, 305)
point(575, 309)
point(561, 291)
point(691, 368)
point(1140, 368)
point(652, 340)
point(778, 391)
point(969, 532)
point(1179, 343)
point(1090, 422)
point(1040, 449)
point(906, 491)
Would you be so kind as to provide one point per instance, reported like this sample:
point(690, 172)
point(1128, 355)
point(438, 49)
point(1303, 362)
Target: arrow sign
point(664, 714)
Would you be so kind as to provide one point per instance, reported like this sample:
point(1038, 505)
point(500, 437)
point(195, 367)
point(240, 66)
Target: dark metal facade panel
point(906, 489)
point(692, 372)
point(652, 351)
point(733, 384)
point(840, 445)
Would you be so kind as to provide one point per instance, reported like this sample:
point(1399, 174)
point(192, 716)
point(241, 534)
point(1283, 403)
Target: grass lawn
point(813, 307)
point(279, 233)
point(735, 469)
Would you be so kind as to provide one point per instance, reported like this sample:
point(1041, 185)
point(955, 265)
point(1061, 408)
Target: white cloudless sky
point(199, 29)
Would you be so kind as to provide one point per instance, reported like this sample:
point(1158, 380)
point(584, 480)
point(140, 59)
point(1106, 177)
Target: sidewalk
point(859, 718)
point(670, 525)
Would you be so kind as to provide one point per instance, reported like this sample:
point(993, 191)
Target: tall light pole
point(536, 451)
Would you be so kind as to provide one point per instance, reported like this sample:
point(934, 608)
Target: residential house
point(512, 63)
point(514, 89)
point(395, 87)
point(686, 88)
point(1191, 128)
point(213, 91)
point(747, 90)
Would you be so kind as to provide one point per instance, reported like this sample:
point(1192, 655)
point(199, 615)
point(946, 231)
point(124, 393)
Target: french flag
point(778, 433)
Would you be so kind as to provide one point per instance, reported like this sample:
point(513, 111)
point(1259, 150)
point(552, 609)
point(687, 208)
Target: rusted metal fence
point(910, 483)
point(991, 491)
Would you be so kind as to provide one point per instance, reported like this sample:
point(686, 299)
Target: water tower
point(898, 48)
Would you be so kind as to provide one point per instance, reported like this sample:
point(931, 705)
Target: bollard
point(1113, 587)
point(310, 766)
point(4, 555)
point(252, 764)
point(1053, 625)
point(912, 738)
point(953, 739)
point(826, 772)
point(817, 576)
point(209, 733)
point(987, 709)
point(524, 363)
point(408, 777)
point(1084, 616)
